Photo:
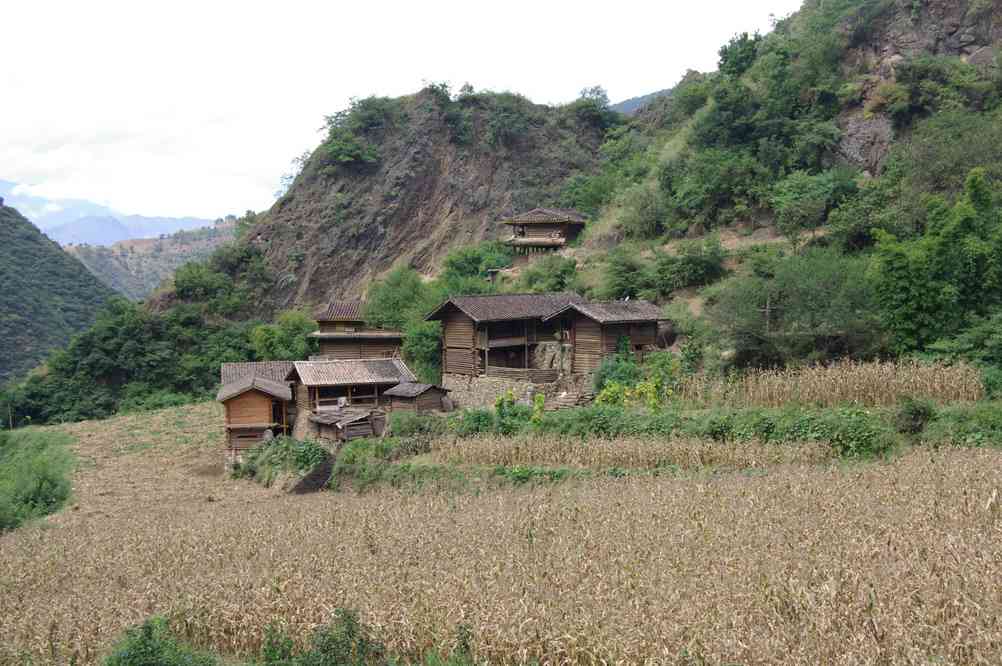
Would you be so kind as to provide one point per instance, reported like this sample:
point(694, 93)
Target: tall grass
point(874, 384)
point(625, 453)
point(35, 470)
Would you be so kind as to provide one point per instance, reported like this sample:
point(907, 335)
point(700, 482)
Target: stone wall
point(466, 391)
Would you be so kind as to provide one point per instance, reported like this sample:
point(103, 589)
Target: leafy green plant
point(153, 644)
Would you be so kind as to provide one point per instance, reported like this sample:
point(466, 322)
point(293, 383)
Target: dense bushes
point(353, 134)
point(35, 471)
point(282, 454)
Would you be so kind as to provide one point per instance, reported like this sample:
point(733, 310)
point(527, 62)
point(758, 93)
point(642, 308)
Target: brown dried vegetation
point(627, 452)
point(874, 384)
point(893, 562)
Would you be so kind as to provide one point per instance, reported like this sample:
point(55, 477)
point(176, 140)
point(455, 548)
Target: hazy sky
point(196, 108)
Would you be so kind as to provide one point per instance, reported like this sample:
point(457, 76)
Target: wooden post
point(525, 333)
point(349, 394)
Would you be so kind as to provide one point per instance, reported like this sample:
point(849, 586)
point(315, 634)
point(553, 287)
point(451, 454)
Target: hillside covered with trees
point(45, 295)
point(831, 192)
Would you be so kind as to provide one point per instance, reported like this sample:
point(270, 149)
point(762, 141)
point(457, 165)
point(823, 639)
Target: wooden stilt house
point(330, 384)
point(543, 230)
point(503, 335)
point(344, 334)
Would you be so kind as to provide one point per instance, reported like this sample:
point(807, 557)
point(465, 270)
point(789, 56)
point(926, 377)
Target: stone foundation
point(467, 392)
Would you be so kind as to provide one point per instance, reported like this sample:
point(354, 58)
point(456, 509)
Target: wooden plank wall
point(543, 230)
point(251, 407)
point(353, 349)
point(458, 333)
point(588, 348)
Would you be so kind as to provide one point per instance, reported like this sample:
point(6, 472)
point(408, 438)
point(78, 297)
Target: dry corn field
point(889, 563)
point(626, 452)
point(876, 384)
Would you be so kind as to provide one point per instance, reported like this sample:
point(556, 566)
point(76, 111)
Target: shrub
point(549, 274)
point(34, 475)
point(913, 415)
point(153, 644)
point(473, 422)
point(405, 423)
point(621, 368)
point(977, 424)
point(282, 454)
point(696, 264)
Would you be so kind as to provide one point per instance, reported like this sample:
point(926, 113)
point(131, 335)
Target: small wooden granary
point(254, 405)
point(416, 397)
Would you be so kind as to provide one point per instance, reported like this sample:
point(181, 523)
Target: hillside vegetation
point(831, 193)
point(45, 295)
point(135, 268)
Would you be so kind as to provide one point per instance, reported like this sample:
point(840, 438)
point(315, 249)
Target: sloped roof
point(410, 390)
point(615, 312)
point(342, 417)
point(548, 216)
point(278, 390)
point(506, 307)
point(347, 372)
point(273, 370)
point(350, 310)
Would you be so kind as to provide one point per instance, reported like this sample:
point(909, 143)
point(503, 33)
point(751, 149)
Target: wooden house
point(502, 335)
point(596, 329)
point(254, 405)
point(543, 230)
point(416, 397)
point(330, 384)
point(343, 334)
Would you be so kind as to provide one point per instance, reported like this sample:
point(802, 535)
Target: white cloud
point(196, 108)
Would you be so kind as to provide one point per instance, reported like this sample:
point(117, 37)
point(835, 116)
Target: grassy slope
point(45, 295)
point(861, 561)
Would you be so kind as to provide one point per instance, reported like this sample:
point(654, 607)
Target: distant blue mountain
point(80, 221)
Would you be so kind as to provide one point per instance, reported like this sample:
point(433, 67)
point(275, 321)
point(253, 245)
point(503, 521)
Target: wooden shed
point(597, 328)
point(344, 334)
point(347, 423)
point(416, 397)
point(254, 405)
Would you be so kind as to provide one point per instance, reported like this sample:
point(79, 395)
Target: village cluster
point(549, 343)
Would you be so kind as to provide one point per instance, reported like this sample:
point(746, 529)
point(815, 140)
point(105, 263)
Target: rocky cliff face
point(902, 29)
point(340, 226)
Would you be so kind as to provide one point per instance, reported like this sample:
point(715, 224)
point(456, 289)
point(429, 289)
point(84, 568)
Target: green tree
point(288, 339)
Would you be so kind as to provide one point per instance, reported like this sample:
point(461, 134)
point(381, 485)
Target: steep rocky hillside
point(439, 174)
point(135, 268)
point(45, 295)
point(892, 33)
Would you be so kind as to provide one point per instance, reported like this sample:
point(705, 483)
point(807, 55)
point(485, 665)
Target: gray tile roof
point(350, 310)
point(615, 312)
point(548, 216)
point(279, 390)
point(347, 372)
point(506, 307)
point(273, 370)
point(410, 390)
